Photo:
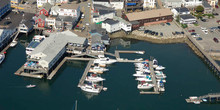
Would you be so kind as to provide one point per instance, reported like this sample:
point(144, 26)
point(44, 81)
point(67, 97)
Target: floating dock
point(81, 82)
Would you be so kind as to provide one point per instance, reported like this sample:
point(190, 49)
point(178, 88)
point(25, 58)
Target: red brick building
point(150, 17)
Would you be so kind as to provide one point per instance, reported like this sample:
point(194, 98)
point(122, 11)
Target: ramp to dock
point(85, 73)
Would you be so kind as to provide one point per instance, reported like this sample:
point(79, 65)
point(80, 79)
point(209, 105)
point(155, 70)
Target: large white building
point(52, 2)
point(191, 3)
point(124, 25)
point(187, 19)
point(180, 11)
point(66, 10)
point(116, 4)
point(111, 25)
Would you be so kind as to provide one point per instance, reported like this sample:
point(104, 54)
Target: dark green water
point(187, 76)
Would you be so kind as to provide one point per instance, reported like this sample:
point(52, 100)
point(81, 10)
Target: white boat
point(159, 72)
point(155, 63)
point(94, 78)
point(160, 86)
point(37, 39)
point(99, 64)
point(30, 86)
point(145, 86)
point(90, 88)
point(160, 67)
point(104, 88)
point(2, 57)
point(163, 80)
point(104, 60)
point(139, 59)
point(196, 102)
point(146, 79)
point(140, 52)
point(161, 76)
point(13, 43)
point(97, 69)
point(139, 75)
point(144, 70)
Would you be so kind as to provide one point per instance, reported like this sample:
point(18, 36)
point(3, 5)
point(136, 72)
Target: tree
point(199, 9)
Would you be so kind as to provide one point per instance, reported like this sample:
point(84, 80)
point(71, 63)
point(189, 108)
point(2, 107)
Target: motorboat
point(97, 69)
point(145, 85)
point(2, 57)
point(144, 70)
point(139, 59)
point(160, 86)
point(104, 88)
point(13, 43)
point(161, 76)
point(104, 60)
point(155, 63)
point(30, 86)
point(140, 75)
point(163, 80)
point(147, 78)
point(91, 88)
point(159, 72)
point(37, 39)
point(99, 64)
point(94, 78)
point(160, 67)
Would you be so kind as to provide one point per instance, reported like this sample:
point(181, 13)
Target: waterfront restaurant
point(150, 17)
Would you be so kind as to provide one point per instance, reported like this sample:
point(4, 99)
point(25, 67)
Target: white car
point(205, 31)
point(203, 28)
point(195, 36)
point(87, 24)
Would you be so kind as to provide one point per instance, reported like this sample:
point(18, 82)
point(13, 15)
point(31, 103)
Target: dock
point(56, 69)
point(81, 82)
point(154, 80)
point(15, 34)
point(117, 52)
point(211, 97)
point(19, 72)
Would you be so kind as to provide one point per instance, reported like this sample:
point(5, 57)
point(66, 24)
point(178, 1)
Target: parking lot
point(207, 42)
point(165, 29)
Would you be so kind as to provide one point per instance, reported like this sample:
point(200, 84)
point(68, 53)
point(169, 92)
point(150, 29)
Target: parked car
point(152, 33)
point(168, 24)
point(182, 32)
point(215, 39)
point(146, 31)
point(162, 24)
point(7, 22)
point(215, 14)
point(177, 32)
point(192, 30)
point(141, 28)
point(161, 34)
point(193, 33)
point(196, 35)
point(198, 38)
point(203, 20)
point(156, 34)
point(218, 21)
point(216, 6)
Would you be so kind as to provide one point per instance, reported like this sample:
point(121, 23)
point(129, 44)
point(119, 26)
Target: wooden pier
point(154, 80)
point(211, 97)
point(117, 52)
point(20, 72)
point(81, 82)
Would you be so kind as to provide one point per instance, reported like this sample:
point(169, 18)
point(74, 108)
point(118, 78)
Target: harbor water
point(187, 75)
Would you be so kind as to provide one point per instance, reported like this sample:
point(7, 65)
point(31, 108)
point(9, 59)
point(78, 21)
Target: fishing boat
point(144, 85)
point(2, 57)
point(37, 39)
point(94, 78)
point(13, 43)
point(97, 69)
point(155, 63)
point(30, 86)
point(90, 88)
point(160, 67)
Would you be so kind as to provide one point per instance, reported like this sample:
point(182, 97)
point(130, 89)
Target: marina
point(209, 98)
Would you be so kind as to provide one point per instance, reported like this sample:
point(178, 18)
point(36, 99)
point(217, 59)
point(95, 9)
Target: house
point(45, 9)
point(149, 4)
point(124, 25)
point(172, 3)
point(191, 3)
point(40, 3)
point(187, 19)
point(180, 11)
point(50, 21)
point(66, 22)
point(66, 10)
point(26, 26)
point(207, 7)
point(5, 6)
point(117, 4)
point(50, 51)
point(101, 13)
point(40, 21)
point(133, 5)
point(150, 17)
point(111, 25)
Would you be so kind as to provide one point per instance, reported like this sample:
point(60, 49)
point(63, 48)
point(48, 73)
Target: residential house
point(172, 3)
point(187, 19)
point(180, 11)
point(26, 26)
point(51, 21)
point(5, 6)
point(191, 3)
point(66, 10)
point(40, 21)
point(65, 22)
point(111, 25)
point(102, 2)
point(149, 3)
point(40, 3)
point(207, 7)
point(45, 9)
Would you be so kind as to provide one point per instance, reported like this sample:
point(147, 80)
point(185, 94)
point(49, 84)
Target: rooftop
point(103, 12)
point(110, 21)
point(47, 6)
point(69, 6)
point(187, 16)
point(121, 20)
point(182, 9)
point(206, 4)
point(148, 14)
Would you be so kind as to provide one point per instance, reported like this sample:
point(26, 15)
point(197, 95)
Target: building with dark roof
point(180, 11)
point(111, 25)
point(207, 7)
point(5, 6)
point(187, 19)
point(101, 13)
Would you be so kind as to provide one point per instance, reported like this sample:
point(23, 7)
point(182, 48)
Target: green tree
point(199, 9)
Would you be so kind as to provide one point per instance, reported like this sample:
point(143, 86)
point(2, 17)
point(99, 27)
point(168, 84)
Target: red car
point(215, 39)
point(218, 21)
point(216, 6)
point(191, 30)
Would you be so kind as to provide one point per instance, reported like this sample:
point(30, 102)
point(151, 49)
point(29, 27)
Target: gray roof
point(181, 9)
point(96, 38)
point(121, 20)
point(206, 4)
point(103, 12)
point(52, 45)
point(110, 21)
point(65, 18)
point(42, 16)
point(187, 16)
point(47, 6)
point(3, 3)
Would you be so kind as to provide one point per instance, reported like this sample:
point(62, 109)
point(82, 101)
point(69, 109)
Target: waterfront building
point(26, 26)
point(102, 2)
point(192, 3)
point(45, 57)
point(150, 17)
point(66, 10)
point(97, 45)
point(111, 25)
point(180, 11)
point(40, 21)
point(5, 36)
point(103, 35)
point(187, 19)
point(45, 9)
point(101, 13)
point(172, 3)
point(207, 7)
point(5, 6)
point(149, 3)
point(125, 25)
point(40, 3)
